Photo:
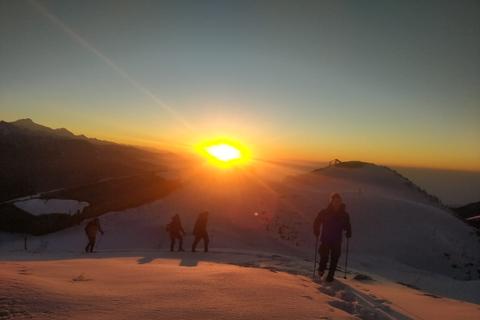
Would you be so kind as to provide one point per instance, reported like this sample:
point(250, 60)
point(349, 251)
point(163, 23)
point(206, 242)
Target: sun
point(223, 153)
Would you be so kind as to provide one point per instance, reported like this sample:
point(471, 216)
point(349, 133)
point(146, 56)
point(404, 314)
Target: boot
point(330, 276)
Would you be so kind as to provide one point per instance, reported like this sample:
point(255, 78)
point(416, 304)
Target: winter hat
point(335, 196)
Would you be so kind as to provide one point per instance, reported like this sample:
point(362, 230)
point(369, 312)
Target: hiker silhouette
point(91, 230)
point(176, 231)
point(333, 220)
point(200, 231)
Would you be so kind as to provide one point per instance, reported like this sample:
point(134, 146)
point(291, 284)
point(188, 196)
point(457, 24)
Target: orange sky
point(391, 83)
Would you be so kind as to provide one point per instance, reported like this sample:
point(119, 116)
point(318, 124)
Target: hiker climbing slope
point(200, 231)
point(334, 220)
point(91, 231)
point(175, 230)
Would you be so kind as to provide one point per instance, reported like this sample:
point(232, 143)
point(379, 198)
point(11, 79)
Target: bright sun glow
point(223, 153)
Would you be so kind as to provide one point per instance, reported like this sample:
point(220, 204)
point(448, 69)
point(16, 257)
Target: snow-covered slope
point(398, 231)
point(156, 284)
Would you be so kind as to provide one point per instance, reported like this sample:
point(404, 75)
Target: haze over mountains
point(36, 159)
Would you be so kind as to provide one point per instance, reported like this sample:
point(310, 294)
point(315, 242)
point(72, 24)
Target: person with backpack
point(175, 230)
point(91, 231)
point(200, 231)
point(333, 220)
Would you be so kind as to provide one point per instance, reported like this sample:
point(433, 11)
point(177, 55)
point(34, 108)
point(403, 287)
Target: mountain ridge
point(35, 128)
point(36, 159)
point(367, 175)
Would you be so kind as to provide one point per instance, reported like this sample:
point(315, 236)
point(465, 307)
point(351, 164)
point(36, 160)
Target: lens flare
point(223, 153)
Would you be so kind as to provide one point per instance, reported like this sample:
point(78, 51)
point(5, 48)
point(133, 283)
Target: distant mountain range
point(37, 161)
point(28, 127)
point(35, 158)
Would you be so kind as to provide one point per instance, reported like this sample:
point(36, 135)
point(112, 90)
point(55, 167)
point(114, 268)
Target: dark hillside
point(106, 196)
point(469, 211)
point(38, 161)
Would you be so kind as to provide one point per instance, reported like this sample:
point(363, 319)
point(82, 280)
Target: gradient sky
point(389, 82)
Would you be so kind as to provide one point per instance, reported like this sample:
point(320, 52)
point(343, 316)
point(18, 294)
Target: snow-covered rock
point(44, 206)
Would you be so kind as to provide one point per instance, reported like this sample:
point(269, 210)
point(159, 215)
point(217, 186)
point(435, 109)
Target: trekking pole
point(315, 261)
point(346, 259)
point(96, 246)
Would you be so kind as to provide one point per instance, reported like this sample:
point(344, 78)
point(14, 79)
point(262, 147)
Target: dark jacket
point(201, 224)
point(92, 228)
point(176, 226)
point(333, 224)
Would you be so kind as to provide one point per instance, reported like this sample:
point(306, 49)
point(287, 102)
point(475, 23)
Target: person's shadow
point(147, 259)
point(189, 262)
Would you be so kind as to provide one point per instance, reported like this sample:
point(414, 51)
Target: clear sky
point(389, 82)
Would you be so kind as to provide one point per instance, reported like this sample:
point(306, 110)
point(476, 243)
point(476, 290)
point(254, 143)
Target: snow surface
point(215, 285)
point(260, 264)
point(43, 206)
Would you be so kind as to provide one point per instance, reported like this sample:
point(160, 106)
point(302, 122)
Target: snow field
point(214, 285)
